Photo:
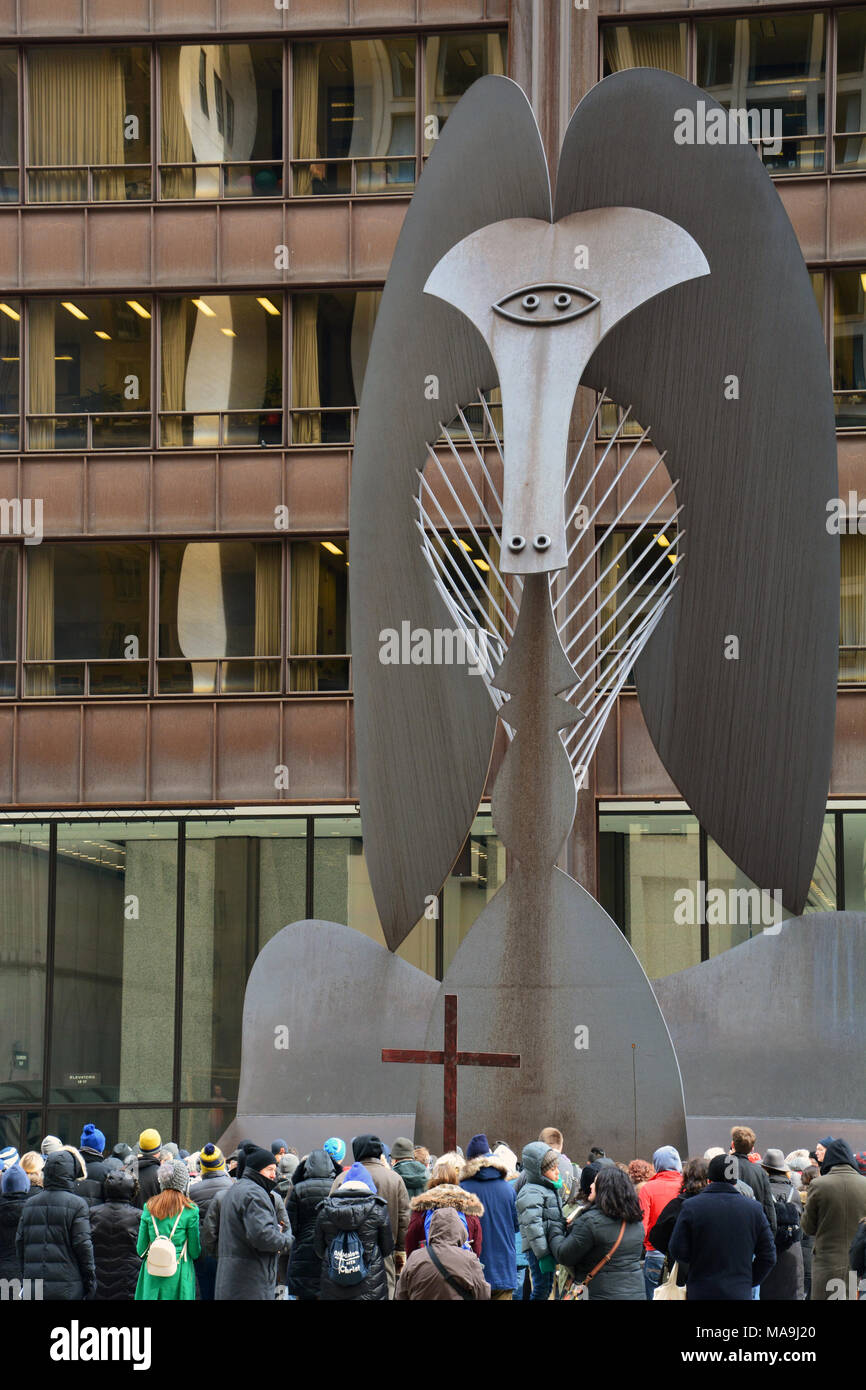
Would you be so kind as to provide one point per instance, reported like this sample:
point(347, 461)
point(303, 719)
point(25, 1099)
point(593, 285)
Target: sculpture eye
point(545, 304)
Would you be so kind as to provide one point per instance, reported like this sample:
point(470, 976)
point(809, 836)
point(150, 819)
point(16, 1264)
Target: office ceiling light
point(9, 312)
point(205, 308)
point(662, 540)
point(468, 57)
point(458, 540)
point(138, 308)
point(74, 309)
point(862, 286)
point(268, 305)
point(101, 333)
point(9, 359)
point(334, 549)
point(65, 358)
point(229, 332)
point(483, 565)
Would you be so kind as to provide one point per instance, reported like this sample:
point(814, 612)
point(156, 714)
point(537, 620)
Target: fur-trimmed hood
point(475, 1165)
point(447, 1195)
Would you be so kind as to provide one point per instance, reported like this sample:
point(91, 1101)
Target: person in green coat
point(170, 1213)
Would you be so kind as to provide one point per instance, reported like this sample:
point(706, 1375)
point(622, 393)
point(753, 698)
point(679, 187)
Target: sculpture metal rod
point(583, 443)
point(613, 645)
point(623, 657)
point(463, 618)
point(615, 561)
point(591, 519)
point(463, 512)
point(596, 470)
point(434, 531)
point(612, 619)
point(468, 478)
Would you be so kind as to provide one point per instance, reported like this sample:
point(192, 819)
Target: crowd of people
point(155, 1222)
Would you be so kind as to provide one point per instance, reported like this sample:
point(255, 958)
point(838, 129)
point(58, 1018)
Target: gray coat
point(539, 1205)
point(590, 1236)
point(250, 1241)
point(835, 1205)
point(784, 1283)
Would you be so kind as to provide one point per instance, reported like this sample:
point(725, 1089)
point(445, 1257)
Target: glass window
point(331, 337)
point(8, 617)
point(113, 1017)
point(643, 862)
point(320, 615)
point(452, 62)
point(9, 187)
point(118, 1126)
point(89, 123)
point(477, 875)
point(854, 858)
point(87, 619)
point(354, 104)
point(244, 881)
point(10, 373)
point(219, 607)
point(852, 609)
point(849, 331)
point(222, 120)
point(89, 373)
point(342, 892)
point(24, 895)
point(645, 46)
point(222, 371)
point(850, 143)
point(773, 67)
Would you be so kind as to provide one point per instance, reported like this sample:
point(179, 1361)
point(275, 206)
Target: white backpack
point(162, 1255)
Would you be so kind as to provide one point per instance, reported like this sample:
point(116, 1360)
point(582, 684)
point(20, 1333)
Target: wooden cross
point(450, 1059)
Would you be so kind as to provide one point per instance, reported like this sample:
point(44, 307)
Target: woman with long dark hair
point(604, 1243)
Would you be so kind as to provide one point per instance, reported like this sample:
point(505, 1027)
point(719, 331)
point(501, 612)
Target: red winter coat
point(654, 1196)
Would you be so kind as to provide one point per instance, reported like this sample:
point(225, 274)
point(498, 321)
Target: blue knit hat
point(358, 1173)
point(277, 1145)
point(336, 1148)
point(667, 1160)
point(478, 1146)
point(92, 1138)
point(15, 1180)
point(8, 1156)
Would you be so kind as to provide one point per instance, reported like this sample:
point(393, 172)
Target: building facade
point(199, 206)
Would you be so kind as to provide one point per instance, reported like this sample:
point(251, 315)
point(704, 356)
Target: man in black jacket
point(145, 1165)
point(91, 1148)
point(213, 1183)
point(53, 1240)
point(723, 1238)
point(742, 1144)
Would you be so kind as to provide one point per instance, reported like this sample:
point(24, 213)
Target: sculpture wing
point(424, 733)
point(748, 741)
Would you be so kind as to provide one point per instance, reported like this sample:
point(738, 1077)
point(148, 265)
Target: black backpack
point(788, 1211)
point(346, 1263)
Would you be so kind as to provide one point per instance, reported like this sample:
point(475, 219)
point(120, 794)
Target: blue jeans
point(652, 1271)
point(541, 1283)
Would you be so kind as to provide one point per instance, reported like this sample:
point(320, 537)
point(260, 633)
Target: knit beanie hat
point(478, 1146)
point(171, 1148)
point(402, 1149)
point(92, 1138)
point(258, 1159)
point(15, 1180)
point(149, 1141)
point(8, 1156)
point(357, 1174)
point(211, 1159)
point(336, 1148)
point(277, 1145)
point(50, 1145)
point(667, 1160)
point(174, 1173)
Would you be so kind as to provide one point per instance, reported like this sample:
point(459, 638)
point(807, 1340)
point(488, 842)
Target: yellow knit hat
point(149, 1141)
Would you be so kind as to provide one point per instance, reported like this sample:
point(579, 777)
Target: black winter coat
point(660, 1234)
point(717, 1234)
point(756, 1177)
point(11, 1207)
point(114, 1228)
point(311, 1184)
point(204, 1192)
point(146, 1169)
point(367, 1215)
point(857, 1251)
point(53, 1241)
point(249, 1241)
point(90, 1188)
